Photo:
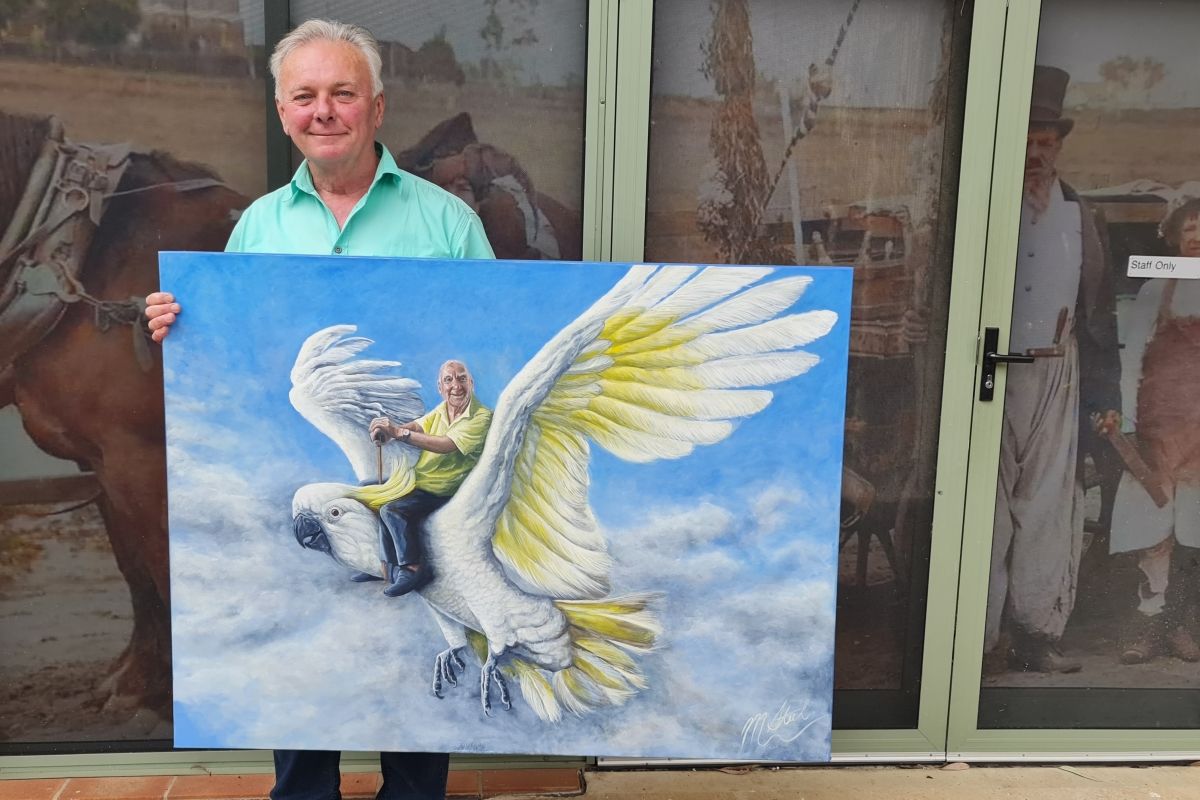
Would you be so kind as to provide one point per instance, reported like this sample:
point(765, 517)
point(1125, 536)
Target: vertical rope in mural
point(820, 84)
point(734, 202)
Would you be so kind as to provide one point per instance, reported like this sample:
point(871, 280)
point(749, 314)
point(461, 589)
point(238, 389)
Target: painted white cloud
point(276, 647)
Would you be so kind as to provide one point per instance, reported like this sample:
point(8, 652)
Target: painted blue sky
point(740, 536)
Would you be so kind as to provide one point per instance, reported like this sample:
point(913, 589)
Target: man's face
point(1042, 147)
point(455, 386)
point(327, 107)
point(1189, 236)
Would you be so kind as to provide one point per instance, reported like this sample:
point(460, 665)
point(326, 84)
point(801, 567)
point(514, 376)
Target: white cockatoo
point(660, 364)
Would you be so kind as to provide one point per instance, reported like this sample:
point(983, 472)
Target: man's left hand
point(1106, 423)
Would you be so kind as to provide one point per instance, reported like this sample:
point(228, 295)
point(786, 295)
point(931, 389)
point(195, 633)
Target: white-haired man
point(451, 437)
point(347, 198)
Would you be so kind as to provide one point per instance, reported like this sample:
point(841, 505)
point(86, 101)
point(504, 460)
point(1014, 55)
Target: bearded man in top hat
point(1063, 313)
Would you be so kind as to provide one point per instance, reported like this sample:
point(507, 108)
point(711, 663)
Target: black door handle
point(987, 380)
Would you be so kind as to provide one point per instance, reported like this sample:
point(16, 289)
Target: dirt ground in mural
point(851, 155)
point(64, 617)
point(221, 121)
point(1110, 148)
point(858, 154)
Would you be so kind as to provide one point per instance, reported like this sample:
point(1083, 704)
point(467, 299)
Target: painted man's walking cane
point(379, 459)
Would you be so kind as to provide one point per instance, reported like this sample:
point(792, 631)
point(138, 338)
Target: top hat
point(1046, 104)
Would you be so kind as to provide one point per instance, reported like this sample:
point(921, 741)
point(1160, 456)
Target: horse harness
point(43, 249)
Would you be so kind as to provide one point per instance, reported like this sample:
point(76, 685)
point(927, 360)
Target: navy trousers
point(400, 539)
point(314, 775)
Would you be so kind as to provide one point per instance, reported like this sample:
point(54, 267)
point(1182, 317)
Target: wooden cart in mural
point(889, 326)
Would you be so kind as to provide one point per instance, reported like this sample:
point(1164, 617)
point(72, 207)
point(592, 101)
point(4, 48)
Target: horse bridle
point(44, 246)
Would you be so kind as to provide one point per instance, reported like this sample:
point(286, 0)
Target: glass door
point(846, 133)
point(1081, 577)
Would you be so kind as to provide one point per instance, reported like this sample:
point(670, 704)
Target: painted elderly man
point(1063, 312)
point(348, 197)
point(451, 437)
point(1162, 348)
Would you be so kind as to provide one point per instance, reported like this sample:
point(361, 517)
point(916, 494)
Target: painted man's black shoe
point(405, 580)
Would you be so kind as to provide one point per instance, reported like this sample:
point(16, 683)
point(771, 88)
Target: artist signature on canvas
point(786, 725)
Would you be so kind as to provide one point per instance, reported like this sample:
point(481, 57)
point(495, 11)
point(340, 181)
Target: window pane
point(486, 99)
point(1095, 564)
point(825, 132)
point(83, 570)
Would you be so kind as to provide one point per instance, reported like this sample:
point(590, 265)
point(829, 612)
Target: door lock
point(987, 381)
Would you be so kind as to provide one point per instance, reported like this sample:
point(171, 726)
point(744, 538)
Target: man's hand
point(382, 430)
point(161, 310)
point(1106, 423)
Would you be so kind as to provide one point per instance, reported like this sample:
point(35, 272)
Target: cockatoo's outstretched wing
point(340, 395)
point(660, 364)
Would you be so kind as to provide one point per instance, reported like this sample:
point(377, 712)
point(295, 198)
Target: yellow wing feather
point(679, 355)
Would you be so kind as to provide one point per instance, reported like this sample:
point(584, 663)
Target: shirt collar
point(1057, 195)
point(302, 179)
point(472, 407)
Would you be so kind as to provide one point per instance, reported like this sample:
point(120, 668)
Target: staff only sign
point(1163, 267)
point(504, 507)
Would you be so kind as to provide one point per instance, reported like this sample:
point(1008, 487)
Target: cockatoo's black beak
point(309, 533)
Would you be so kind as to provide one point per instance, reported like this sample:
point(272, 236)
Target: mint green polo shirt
point(401, 216)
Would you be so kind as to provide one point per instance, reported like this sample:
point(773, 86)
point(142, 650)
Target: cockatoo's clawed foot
point(444, 669)
point(491, 675)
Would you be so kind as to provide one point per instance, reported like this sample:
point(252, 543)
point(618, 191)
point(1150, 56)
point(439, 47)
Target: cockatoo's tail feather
point(621, 620)
point(603, 671)
point(478, 643)
point(537, 690)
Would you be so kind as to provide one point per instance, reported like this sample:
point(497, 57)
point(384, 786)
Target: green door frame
point(965, 740)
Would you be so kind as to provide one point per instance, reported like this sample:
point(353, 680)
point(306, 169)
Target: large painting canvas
point(640, 563)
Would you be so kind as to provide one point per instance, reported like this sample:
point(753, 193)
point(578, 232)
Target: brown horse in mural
point(84, 396)
point(521, 222)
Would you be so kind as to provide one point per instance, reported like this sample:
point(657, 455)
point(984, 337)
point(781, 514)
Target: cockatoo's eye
point(335, 512)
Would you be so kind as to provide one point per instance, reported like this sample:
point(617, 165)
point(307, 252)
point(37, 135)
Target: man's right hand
point(161, 311)
point(382, 430)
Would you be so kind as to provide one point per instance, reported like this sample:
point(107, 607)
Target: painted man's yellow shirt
point(443, 473)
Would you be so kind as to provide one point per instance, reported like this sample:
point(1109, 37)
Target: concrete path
point(902, 783)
